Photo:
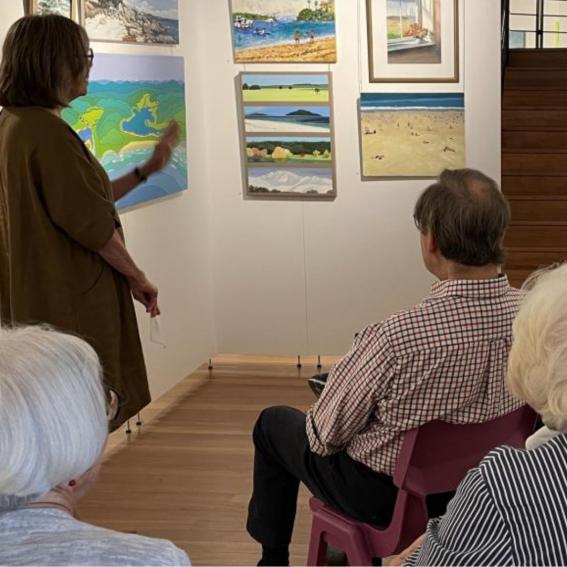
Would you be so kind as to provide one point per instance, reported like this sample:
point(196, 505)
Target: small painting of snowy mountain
point(308, 182)
point(59, 7)
point(132, 21)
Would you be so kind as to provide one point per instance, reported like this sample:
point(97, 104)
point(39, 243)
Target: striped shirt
point(443, 359)
point(511, 510)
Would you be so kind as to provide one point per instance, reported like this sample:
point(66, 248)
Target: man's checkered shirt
point(443, 359)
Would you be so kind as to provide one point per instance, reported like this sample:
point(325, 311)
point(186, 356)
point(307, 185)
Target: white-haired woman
point(511, 510)
point(53, 430)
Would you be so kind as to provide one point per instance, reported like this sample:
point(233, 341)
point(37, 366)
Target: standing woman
point(63, 260)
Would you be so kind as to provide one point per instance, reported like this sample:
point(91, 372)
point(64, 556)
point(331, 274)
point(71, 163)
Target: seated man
point(442, 359)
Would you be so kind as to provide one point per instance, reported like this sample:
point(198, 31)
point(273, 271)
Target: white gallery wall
point(293, 277)
point(285, 277)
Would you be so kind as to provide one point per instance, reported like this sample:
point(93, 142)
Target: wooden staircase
point(534, 159)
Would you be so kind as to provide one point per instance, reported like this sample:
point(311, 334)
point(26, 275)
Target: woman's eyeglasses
point(90, 56)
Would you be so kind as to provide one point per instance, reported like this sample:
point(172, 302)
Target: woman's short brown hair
point(42, 56)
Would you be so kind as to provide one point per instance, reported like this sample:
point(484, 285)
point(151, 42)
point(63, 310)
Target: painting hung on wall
point(413, 40)
point(130, 101)
point(411, 135)
point(287, 135)
point(284, 31)
point(60, 7)
point(132, 21)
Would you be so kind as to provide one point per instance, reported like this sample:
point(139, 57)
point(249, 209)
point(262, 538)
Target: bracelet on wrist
point(139, 175)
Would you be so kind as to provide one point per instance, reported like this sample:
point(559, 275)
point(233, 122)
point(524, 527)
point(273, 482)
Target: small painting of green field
point(288, 87)
point(130, 102)
point(288, 150)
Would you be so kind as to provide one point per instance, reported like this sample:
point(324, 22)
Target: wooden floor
point(186, 475)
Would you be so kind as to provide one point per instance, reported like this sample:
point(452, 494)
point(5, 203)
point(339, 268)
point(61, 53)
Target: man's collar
point(471, 288)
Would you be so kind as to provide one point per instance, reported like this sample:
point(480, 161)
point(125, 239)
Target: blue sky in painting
point(285, 110)
point(114, 67)
point(264, 80)
point(161, 8)
point(412, 100)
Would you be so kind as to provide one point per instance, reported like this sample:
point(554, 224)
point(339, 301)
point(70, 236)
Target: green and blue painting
point(130, 101)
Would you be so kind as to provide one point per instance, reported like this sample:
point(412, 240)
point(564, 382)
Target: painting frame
point(330, 169)
point(435, 103)
point(31, 8)
point(412, 74)
point(82, 19)
point(240, 60)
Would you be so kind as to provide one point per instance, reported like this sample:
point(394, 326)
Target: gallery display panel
point(286, 122)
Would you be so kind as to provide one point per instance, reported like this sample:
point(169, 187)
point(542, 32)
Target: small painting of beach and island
point(411, 135)
point(132, 21)
point(289, 119)
point(130, 102)
point(284, 31)
point(285, 87)
point(59, 7)
point(295, 183)
point(288, 150)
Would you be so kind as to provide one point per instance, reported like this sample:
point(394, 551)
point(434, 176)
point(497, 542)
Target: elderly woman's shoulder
point(509, 461)
point(38, 122)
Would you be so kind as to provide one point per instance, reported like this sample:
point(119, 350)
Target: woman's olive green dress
point(56, 212)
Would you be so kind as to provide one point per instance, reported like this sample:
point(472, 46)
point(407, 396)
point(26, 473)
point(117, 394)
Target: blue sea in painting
point(430, 101)
point(263, 33)
point(172, 27)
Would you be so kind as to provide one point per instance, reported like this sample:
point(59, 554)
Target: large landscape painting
point(130, 101)
point(284, 31)
point(132, 21)
point(287, 135)
point(411, 135)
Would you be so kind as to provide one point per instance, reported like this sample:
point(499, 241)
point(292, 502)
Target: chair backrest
point(435, 457)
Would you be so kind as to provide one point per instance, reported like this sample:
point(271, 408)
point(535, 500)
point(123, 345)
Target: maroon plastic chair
point(434, 458)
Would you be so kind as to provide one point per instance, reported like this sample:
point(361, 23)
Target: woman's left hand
point(163, 150)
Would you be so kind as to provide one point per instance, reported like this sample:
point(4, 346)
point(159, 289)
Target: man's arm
point(114, 252)
point(355, 386)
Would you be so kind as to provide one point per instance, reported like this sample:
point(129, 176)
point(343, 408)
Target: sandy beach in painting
point(321, 50)
point(411, 143)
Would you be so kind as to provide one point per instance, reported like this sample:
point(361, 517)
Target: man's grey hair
point(467, 216)
point(53, 424)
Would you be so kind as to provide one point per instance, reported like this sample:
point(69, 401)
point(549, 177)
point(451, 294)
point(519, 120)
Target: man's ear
point(430, 243)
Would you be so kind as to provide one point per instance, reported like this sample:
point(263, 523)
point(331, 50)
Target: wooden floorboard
point(186, 474)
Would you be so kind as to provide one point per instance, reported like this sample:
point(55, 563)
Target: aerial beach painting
point(292, 182)
point(130, 101)
point(285, 87)
point(284, 31)
point(300, 119)
point(132, 21)
point(411, 135)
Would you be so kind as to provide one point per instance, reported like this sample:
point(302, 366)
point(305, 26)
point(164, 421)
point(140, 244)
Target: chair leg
point(317, 548)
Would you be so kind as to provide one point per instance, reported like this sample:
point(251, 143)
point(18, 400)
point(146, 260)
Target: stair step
point(537, 58)
point(536, 141)
point(535, 78)
point(540, 212)
point(534, 119)
point(534, 99)
point(536, 238)
point(530, 261)
point(534, 163)
point(525, 186)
